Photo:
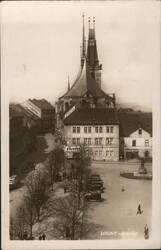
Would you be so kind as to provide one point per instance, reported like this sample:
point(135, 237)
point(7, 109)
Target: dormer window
point(140, 131)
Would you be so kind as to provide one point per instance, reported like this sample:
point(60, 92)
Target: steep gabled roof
point(85, 84)
point(131, 121)
point(92, 116)
point(42, 104)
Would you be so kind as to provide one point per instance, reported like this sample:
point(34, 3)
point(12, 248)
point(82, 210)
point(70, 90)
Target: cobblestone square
point(117, 214)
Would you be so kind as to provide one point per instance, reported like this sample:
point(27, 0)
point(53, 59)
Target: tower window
point(107, 129)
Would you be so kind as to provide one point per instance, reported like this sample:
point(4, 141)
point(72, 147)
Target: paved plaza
point(117, 214)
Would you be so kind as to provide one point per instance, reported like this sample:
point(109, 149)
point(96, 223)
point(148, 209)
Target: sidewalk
point(130, 162)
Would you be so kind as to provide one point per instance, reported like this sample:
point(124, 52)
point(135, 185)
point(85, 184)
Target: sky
point(41, 48)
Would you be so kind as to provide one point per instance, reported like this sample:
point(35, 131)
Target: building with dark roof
point(87, 86)
point(85, 105)
point(135, 134)
point(21, 140)
point(96, 128)
point(42, 112)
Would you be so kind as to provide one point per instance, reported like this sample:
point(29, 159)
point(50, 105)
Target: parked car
point(95, 177)
point(13, 182)
point(93, 196)
point(94, 183)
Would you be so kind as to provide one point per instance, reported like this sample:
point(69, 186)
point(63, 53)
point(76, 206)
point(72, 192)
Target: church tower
point(92, 55)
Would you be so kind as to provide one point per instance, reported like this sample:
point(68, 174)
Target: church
point(86, 89)
point(85, 114)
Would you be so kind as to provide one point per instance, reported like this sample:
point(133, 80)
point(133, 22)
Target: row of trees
point(69, 212)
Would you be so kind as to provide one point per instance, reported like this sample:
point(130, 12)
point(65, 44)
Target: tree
point(69, 217)
point(83, 169)
point(36, 183)
point(18, 225)
point(55, 163)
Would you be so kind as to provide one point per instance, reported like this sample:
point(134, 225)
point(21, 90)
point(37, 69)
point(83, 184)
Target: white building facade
point(101, 139)
point(138, 144)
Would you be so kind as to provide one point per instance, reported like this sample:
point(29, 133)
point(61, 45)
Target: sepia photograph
point(80, 124)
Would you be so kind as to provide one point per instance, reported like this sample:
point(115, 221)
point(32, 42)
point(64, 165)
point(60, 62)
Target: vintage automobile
point(93, 196)
point(94, 183)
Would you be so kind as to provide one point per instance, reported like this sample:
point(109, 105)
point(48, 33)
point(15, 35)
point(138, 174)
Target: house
point(42, 110)
point(135, 134)
point(97, 128)
point(21, 140)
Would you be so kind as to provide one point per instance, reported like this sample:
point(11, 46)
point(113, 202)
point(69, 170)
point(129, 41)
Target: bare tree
point(83, 162)
point(69, 217)
point(18, 225)
point(55, 163)
point(36, 183)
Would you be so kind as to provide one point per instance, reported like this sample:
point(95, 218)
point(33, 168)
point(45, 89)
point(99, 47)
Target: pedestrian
point(40, 237)
point(139, 209)
point(44, 236)
point(25, 235)
point(146, 232)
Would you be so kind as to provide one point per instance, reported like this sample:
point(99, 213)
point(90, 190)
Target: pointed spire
point(68, 84)
point(83, 39)
point(89, 22)
point(93, 22)
point(83, 52)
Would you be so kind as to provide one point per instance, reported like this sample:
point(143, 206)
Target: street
point(117, 214)
point(45, 144)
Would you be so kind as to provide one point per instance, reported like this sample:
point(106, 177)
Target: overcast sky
point(41, 47)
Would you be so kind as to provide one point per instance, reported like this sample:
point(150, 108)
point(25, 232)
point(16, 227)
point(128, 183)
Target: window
point(89, 141)
point(89, 129)
point(85, 140)
point(112, 129)
point(85, 130)
point(140, 131)
point(96, 129)
point(74, 129)
point(109, 140)
point(107, 129)
point(78, 141)
point(134, 143)
point(96, 141)
point(73, 140)
point(100, 129)
point(100, 140)
point(78, 130)
point(146, 143)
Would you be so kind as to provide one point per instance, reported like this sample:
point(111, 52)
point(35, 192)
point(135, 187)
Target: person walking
point(44, 236)
point(139, 209)
point(40, 237)
point(146, 232)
